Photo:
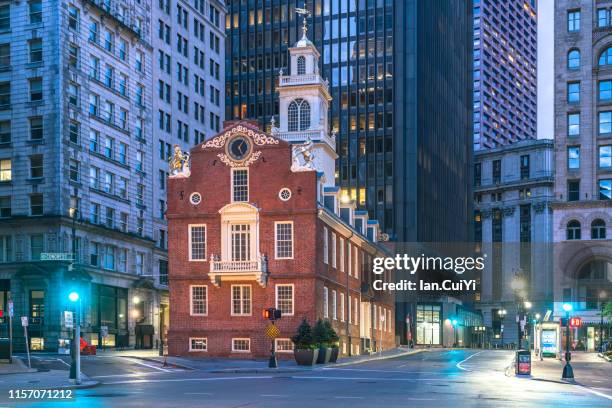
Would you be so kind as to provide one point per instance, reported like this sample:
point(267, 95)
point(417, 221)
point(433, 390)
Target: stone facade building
point(256, 222)
point(583, 148)
point(513, 194)
point(79, 152)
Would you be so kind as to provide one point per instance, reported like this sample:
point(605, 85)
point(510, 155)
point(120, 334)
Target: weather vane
point(305, 14)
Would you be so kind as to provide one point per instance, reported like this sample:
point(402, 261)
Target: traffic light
point(271, 313)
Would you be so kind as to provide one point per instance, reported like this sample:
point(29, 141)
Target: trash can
point(523, 362)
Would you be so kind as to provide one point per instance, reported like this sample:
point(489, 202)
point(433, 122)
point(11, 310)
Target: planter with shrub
point(305, 352)
point(334, 342)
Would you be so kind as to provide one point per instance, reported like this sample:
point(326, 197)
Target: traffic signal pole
point(273, 363)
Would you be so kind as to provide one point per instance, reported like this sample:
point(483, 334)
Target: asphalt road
point(444, 378)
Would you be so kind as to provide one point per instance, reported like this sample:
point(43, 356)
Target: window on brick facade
point(198, 300)
point(334, 305)
point(241, 345)
point(198, 344)
point(325, 245)
point(240, 185)
point(284, 299)
point(284, 240)
point(197, 242)
point(241, 300)
point(325, 302)
point(36, 204)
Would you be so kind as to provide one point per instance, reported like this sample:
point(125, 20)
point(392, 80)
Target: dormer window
point(298, 115)
point(301, 65)
point(240, 185)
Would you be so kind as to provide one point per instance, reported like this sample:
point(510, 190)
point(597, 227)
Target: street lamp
point(602, 296)
point(528, 305)
point(568, 372)
point(502, 314)
point(75, 367)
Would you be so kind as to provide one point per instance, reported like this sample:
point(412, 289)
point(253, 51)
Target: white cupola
point(304, 103)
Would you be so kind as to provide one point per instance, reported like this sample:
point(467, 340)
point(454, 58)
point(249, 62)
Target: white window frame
point(292, 297)
point(349, 261)
point(334, 305)
point(342, 314)
point(341, 254)
point(350, 309)
point(189, 228)
point(375, 314)
point(205, 349)
point(232, 301)
point(356, 310)
point(276, 224)
point(241, 338)
point(325, 246)
point(283, 351)
point(356, 260)
point(333, 250)
point(325, 302)
point(247, 184)
point(191, 300)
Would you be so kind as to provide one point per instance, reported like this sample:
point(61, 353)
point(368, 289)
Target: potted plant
point(322, 339)
point(334, 342)
point(305, 352)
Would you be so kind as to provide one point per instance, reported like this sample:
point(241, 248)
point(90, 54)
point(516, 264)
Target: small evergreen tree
point(303, 339)
point(321, 334)
point(331, 334)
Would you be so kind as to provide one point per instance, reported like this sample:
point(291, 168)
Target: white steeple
point(304, 102)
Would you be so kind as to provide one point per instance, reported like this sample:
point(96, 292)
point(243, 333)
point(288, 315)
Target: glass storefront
point(109, 308)
point(428, 324)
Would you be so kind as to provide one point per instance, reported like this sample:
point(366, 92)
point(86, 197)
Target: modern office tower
point(399, 76)
point(81, 192)
point(583, 148)
point(505, 60)
point(513, 195)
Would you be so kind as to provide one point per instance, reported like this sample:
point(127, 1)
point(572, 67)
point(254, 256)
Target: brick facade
point(269, 171)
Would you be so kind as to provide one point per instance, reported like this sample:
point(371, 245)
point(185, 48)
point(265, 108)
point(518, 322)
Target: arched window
point(292, 116)
point(304, 115)
point(298, 115)
point(605, 58)
point(598, 229)
point(573, 230)
point(573, 59)
point(301, 65)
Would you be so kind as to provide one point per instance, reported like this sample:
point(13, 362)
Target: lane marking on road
point(463, 361)
point(592, 391)
point(380, 371)
point(341, 397)
point(273, 395)
point(140, 381)
point(143, 374)
point(146, 365)
point(60, 360)
point(198, 393)
point(419, 399)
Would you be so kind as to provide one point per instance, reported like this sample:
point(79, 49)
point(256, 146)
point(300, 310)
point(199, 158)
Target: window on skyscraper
point(573, 92)
point(598, 229)
point(573, 230)
point(573, 124)
point(573, 157)
point(573, 20)
point(573, 190)
point(605, 189)
point(605, 123)
point(573, 59)
point(605, 90)
point(605, 58)
point(605, 157)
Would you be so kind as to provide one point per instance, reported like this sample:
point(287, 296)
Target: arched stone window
point(573, 230)
point(573, 59)
point(605, 58)
point(298, 115)
point(301, 65)
point(598, 229)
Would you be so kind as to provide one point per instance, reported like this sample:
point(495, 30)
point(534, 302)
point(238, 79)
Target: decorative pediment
point(259, 138)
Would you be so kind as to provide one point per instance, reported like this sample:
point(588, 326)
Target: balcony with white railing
point(221, 270)
point(316, 135)
point(306, 79)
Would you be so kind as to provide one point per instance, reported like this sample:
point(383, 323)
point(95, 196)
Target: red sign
point(575, 322)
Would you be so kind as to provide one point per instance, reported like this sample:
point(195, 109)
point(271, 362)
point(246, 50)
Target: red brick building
point(255, 223)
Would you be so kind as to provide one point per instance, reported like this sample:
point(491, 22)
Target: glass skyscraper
point(400, 78)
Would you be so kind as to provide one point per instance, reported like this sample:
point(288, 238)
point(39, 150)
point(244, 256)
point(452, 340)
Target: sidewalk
point(52, 379)
point(224, 365)
point(589, 370)
point(16, 367)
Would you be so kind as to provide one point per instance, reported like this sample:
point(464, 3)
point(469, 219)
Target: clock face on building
point(239, 148)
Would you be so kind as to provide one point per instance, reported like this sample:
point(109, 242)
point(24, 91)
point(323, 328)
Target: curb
point(153, 360)
point(83, 385)
point(257, 370)
point(378, 358)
